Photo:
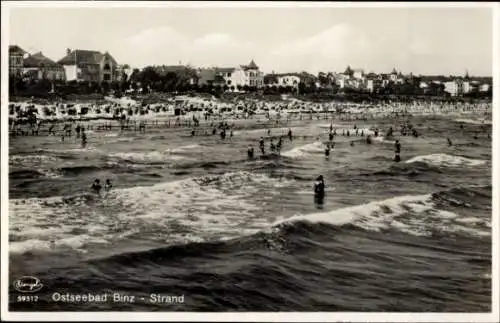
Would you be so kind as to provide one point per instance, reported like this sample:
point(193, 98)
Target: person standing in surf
point(108, 185)
point(397, 151)
point(319, 190)
point(84, 139)
point(250, 152)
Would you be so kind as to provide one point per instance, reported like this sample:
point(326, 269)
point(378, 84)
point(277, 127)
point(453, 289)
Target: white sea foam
point(184, 148)
point(196, 208)
point(446, 160)
point(147, 157)
point(416, 215)
point(474, 121)
point(383, 139)
point(315, 147)
point(31, 159)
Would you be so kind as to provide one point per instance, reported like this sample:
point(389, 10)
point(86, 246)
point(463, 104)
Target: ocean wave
point(446, 160)
point(25, 174)
point(475, 121)
point(297, 152)
point(37, 173)
point(415, 215)
point(384, 139)
point(170, 154)
point(81, 169)
point(31, 159)
point(208, 207)
point(478, 198)
point(147, 157)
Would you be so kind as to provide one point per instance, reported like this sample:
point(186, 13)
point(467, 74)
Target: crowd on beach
point(221, 119)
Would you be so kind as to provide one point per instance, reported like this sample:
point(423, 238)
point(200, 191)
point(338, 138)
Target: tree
point(349, 71)
point(135, 76)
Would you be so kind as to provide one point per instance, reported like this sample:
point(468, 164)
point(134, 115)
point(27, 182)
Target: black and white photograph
point(280, 159)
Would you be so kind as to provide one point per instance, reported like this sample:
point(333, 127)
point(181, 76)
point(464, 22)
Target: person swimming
point(327, 150)
point(449, 142)
point(369, 139)
point(96, 186)
point(290, 134)
point(330, 136)
point(108, 185)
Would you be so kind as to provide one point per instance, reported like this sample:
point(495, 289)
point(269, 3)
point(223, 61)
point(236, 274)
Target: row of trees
point(184, 80)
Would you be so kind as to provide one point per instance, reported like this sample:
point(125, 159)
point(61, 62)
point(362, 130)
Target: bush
point(98, 111)
point(72, 112)
point(130, 112)
point(107, 109)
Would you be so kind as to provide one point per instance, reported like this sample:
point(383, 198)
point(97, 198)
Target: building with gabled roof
point(233, 77)
point(38, 66)
point(16, 59)
point(89, 65)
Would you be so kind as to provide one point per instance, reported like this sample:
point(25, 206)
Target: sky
point(428, 41)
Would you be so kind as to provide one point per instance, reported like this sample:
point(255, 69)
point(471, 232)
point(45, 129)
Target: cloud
point(330, 49)
point(164, 45)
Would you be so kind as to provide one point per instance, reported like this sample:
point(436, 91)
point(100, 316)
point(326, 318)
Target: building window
point(107, 67)
point(107, 77)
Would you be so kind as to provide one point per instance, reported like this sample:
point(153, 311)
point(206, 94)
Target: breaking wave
point(446, 160)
